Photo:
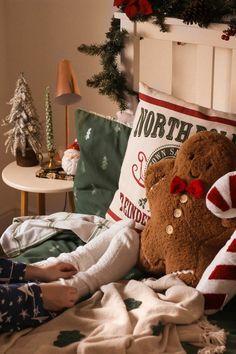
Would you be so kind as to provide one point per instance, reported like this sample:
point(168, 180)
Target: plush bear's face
point(205, 156)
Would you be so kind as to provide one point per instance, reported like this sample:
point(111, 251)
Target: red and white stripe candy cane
point(218, 282)
point(221, 198)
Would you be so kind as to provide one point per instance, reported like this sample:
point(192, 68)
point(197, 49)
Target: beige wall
point(8, 198)
point(36, 34)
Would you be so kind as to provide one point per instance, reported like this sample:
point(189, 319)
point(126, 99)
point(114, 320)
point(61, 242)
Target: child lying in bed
point(63, 280)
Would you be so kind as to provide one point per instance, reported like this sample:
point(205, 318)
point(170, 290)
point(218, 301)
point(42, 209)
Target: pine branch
point(110, 81)
point(92, 49)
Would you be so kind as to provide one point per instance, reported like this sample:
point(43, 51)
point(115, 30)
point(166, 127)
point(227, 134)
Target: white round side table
point(25, 180)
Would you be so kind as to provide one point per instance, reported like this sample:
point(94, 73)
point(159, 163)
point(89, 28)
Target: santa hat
point(221, 198)
point(74, 146)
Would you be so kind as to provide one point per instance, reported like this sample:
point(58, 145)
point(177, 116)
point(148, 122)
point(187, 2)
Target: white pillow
point(161, 124)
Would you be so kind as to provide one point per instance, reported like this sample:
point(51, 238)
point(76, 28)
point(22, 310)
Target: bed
point(187, 64)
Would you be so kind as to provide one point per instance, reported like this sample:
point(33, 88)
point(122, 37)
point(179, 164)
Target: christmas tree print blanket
point(126, 317)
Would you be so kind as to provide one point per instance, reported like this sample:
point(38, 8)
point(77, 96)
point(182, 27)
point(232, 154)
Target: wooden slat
point(204, 75)
point(156, 64)
point(232, 102)
point(222, 79)
point(130, 56)
point(184, 63)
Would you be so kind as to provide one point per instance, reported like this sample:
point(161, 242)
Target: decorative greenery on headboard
point(111, 81)
point(202, 12)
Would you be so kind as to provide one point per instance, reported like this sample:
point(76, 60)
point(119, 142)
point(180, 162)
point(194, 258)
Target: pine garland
point(110, 81)
point(201, 12)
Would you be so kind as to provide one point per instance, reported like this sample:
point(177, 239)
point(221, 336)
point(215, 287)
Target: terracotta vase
point(30, 158)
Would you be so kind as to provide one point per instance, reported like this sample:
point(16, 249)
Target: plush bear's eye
point(191, 156)
point(209, 165)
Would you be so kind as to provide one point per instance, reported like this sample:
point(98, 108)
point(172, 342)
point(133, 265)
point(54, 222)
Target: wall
point(37, 35)
point(8, 198)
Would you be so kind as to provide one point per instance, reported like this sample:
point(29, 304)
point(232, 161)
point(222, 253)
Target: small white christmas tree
point(25, 126)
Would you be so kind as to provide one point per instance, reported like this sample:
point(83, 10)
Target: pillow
point(218, 282)
point(126, 117)
point(102, 143)
point(161, 124)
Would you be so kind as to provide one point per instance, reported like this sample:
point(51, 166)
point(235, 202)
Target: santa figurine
point(70, 158)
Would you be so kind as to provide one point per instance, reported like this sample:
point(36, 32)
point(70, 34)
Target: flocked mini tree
point(25, 131)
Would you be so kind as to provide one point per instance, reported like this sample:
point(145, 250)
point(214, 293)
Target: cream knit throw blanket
point(127, 317)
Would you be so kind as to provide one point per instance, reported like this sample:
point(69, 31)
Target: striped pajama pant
point(21, 304)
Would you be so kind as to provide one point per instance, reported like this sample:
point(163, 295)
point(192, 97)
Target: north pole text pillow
point(162, 122)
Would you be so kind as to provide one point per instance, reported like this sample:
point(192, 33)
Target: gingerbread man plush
point(182, 235)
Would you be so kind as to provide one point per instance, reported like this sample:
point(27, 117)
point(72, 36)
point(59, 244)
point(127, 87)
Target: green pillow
point(103, 144)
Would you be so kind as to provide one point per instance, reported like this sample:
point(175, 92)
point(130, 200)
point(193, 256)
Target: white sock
point(85, 256)
point(115, 263)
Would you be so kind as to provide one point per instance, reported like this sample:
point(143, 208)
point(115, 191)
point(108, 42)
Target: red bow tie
point(194, 188)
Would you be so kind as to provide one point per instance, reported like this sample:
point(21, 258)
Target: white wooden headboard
point(189, 62)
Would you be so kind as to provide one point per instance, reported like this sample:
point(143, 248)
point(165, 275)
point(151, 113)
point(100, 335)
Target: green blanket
point(65, 241)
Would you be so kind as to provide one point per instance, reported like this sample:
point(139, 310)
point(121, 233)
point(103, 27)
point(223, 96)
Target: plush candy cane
point(221, 198)
point(218, 282)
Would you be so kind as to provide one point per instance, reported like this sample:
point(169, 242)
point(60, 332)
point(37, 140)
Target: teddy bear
point(182, 235)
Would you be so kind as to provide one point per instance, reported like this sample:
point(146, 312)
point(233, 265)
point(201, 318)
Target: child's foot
point(57, 297)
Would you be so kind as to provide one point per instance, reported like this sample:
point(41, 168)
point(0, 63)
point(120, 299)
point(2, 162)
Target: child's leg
point(11, 272)
point(29, 304)
point(85, 256)
point(118, 259)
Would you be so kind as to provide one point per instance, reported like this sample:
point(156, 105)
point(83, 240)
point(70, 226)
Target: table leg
point(23, 203)
point(71, 202)
point(41, 204)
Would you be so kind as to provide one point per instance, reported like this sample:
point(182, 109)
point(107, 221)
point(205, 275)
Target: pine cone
point(196, 12)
